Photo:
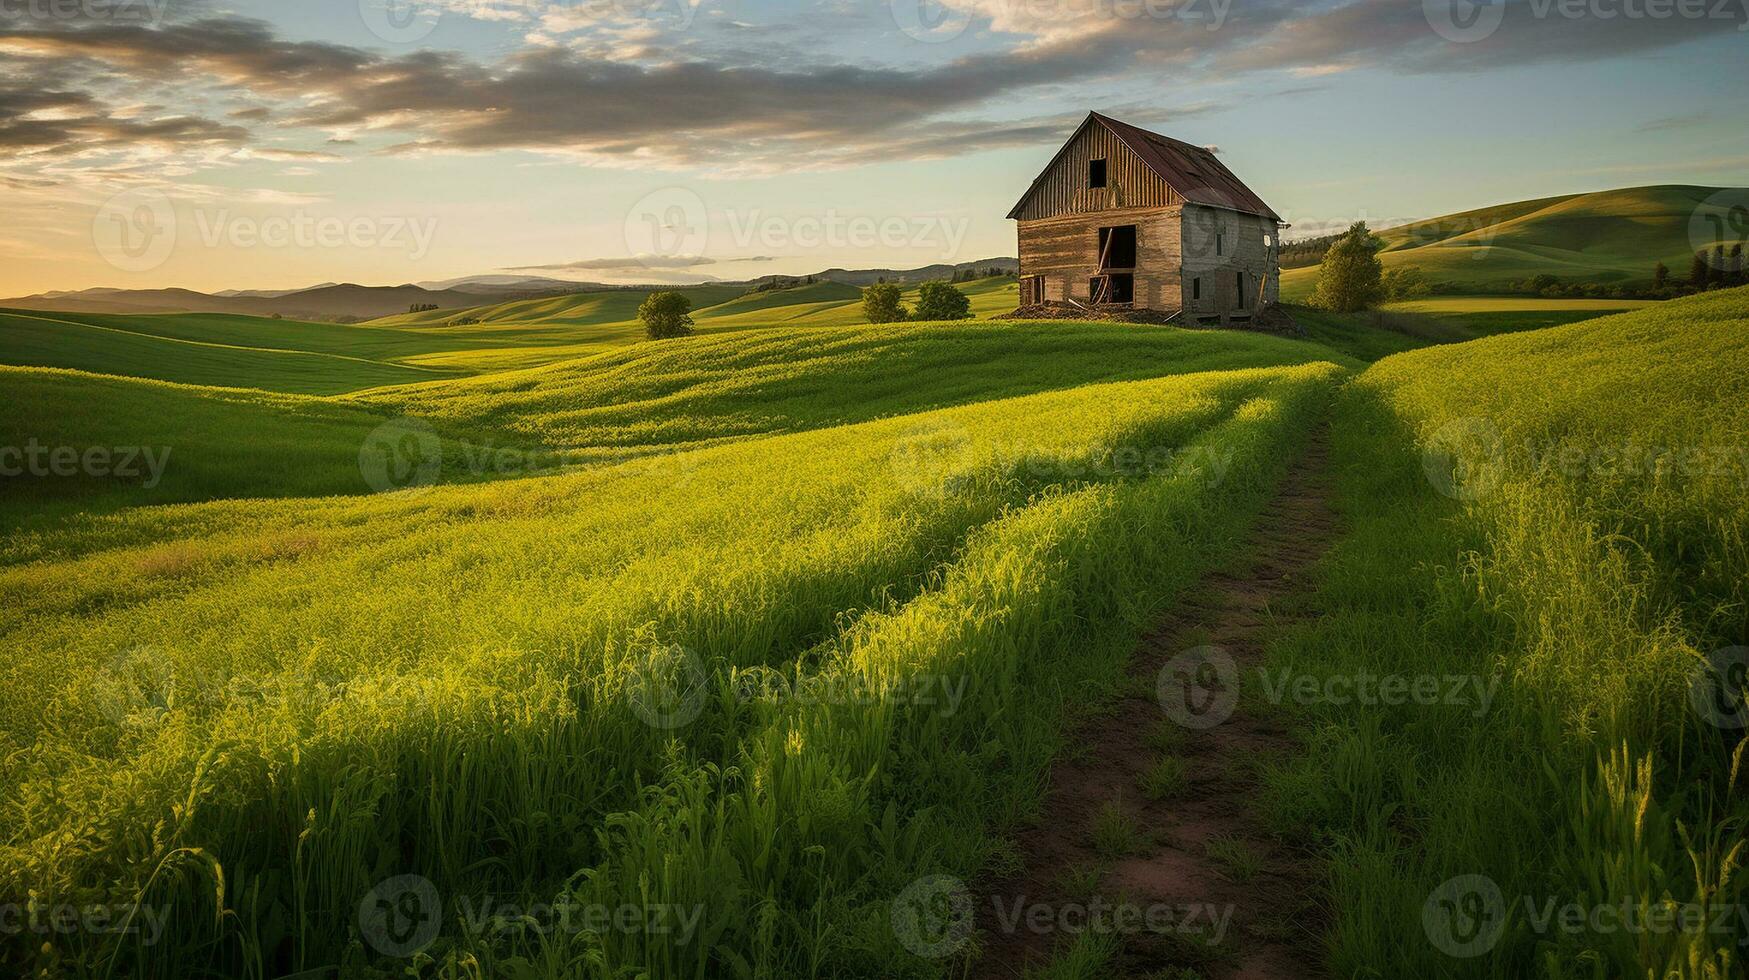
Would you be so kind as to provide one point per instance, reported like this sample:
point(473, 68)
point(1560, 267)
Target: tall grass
point(1586, 561)
point(255, 711)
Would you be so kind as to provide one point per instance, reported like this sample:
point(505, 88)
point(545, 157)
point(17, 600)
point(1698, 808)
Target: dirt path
point(1195, 882)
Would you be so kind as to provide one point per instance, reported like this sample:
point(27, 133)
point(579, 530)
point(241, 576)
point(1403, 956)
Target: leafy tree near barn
point(880, 303)
point(939, 300)
point(1350, 279)
point(666, 315)
point(1660, 276)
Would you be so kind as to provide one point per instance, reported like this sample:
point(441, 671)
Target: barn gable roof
point(1193, 172)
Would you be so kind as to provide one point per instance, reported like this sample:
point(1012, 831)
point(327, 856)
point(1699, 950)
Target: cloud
point(621, 264)
point(287, 156)
point(739, 111)
point(48, 122)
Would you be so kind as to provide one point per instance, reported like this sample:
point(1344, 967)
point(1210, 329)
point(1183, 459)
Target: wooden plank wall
point(1129, 183)
point(1065, 251)
point(1242, 248)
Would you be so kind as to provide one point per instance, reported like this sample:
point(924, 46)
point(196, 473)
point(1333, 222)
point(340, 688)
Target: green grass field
point(1563, 513)
point(526, 608)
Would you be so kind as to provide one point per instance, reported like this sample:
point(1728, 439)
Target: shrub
point(1349, 278)
point(939, 300)
point(666, 315)
point(880, 303)
point(1404, 282)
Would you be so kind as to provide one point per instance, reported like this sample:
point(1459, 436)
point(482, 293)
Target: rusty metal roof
point(1195, 173)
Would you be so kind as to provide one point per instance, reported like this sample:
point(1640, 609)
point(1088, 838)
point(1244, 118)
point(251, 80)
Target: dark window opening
point(1196, 288)
point(1119, 287)
point(1220, 244)
point(1240, 280)
point(1096, 173)
point(1117, 247)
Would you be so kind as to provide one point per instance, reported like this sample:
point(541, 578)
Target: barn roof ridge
point(1173, 161)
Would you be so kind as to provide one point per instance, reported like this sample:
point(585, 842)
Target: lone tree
point(880, 303)
point(1697, 272)
point(1660, 276)
point(938, 300)
point(665, 315)
point(1349, 280)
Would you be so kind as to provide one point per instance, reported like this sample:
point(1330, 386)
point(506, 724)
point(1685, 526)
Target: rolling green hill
point(150, 347)
point(271, 681)
point(1605, 237)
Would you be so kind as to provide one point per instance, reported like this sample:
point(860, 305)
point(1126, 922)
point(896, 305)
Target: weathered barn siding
point(1129, 183)
point(1216, 234)
point(1246, 243)
point(1065, 251)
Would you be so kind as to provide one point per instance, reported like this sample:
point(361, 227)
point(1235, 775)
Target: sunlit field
point(751, 631)
point(1563, 514)
point(278, 704)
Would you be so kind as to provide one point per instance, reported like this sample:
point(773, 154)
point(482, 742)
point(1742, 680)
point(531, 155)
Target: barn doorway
point(1117, 248)
point(1112, 288)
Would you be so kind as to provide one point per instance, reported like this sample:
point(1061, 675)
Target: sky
point(254, 144)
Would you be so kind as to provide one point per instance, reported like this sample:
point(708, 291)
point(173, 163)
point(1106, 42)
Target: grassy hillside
point(1605, 237)
point(781, 379)
point(260, 685)
point(106, 346)
point(268, 684)
point(1561, 513)
point(632, 401)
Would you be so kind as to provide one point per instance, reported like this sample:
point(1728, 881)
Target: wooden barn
point(1126, 219)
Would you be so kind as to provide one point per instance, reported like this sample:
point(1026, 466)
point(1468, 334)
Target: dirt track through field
point(1203, 884)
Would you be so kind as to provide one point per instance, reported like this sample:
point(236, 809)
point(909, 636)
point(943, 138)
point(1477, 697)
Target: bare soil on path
point(1200, 851)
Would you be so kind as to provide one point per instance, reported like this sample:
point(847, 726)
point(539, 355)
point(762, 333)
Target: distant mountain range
point(350, 302)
